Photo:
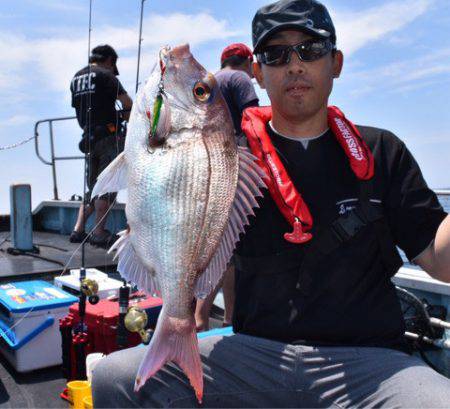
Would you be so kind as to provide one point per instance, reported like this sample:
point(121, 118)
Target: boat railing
point(52, 161)
point(53, 158)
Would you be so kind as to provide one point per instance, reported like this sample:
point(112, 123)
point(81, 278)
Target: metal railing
point(52, 161)
point(442, 192)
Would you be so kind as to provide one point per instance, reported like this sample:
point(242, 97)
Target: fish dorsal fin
point(249, 186)
point(131, 268)
point(113, 178)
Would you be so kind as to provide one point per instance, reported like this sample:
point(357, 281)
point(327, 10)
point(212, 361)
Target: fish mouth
point(181, 52)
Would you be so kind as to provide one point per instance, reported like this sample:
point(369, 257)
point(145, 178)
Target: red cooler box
point(102, 320)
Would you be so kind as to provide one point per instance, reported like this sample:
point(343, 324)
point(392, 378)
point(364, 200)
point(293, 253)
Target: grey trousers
point(243, 371)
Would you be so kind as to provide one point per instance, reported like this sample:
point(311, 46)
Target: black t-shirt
point(352, 301)
point(239, 93)
point(103, 88)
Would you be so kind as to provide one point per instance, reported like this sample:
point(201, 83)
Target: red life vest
point(280, 185)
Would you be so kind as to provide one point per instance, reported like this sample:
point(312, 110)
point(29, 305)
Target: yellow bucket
point(87, 402)
point(78, 390)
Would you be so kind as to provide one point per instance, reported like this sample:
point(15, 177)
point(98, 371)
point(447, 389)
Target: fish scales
point(179, 183)
point(224, 166)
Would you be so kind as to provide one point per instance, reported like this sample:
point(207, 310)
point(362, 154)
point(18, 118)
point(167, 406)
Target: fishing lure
point(158, 129)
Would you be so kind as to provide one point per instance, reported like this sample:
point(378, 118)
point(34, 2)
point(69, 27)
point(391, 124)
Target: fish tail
point(174, 340)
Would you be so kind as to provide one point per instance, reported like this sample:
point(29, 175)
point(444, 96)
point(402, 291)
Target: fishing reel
point(136, 321)
point(422, 319)
point(425, 328)
point(89, 288)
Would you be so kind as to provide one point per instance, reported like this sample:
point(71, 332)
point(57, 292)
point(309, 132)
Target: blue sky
point(396, 73)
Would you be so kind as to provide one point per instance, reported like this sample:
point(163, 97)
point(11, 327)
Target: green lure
point(156, 113)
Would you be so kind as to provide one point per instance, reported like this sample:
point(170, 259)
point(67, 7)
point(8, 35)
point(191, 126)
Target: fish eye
point(202, 91)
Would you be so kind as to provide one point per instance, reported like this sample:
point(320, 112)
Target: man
point(95, 90)
point(317, 320)
point(235, 83)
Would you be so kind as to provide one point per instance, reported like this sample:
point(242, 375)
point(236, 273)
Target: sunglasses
point(310, 50)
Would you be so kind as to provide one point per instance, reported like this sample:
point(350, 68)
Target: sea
point(445, 201)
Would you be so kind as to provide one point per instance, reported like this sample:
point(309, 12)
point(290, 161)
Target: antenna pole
point(139, 44)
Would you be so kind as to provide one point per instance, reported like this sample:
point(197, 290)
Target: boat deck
point(41, 388)
point(56, 254)
point(37, 389)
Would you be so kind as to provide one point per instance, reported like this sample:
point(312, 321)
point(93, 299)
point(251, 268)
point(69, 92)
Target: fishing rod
point(87, 157)
point(139, 44)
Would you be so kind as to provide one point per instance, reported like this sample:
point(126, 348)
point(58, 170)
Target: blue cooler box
point(29, 323)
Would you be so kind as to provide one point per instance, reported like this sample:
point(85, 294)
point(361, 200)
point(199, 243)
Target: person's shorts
point(103, 153)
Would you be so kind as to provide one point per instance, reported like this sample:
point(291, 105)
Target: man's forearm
point(442, 251)
point(127, 103)
point(436, 260)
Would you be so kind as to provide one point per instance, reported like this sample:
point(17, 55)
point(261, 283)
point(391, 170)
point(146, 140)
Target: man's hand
point(435, 260)
point(127, 103)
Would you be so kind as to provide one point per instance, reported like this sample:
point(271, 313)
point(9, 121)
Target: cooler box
point(102, 321)
point(107, 287)
point(29, 323)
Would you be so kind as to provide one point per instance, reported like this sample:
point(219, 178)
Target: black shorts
point(103, 153)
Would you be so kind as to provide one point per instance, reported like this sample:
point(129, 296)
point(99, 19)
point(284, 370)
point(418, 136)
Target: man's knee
point(207, 344)
point(416, 386)
point(113, 383)
point(423, 387)
point(113, 378)
point(102, 383)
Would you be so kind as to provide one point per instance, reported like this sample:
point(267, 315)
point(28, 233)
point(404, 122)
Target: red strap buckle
point(298, 236)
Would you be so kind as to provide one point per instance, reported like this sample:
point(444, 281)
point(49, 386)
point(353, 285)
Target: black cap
point(102, 52)
point(309, 16)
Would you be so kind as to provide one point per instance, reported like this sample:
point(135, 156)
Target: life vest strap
point(282, 190)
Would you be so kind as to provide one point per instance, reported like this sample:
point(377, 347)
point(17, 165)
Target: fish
point(190, 192)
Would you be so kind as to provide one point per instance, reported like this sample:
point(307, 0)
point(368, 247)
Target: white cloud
point(170, 29)
point(404, 76)
point(18, 119)
point(413, 86)
point(58, 5)
point(53, 61)
point(15, 49)
point(425, 72)
point(357, 29)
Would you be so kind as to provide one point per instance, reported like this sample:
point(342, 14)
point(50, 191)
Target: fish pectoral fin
point(175, 340)
point(249, 187)
point(113, 178)
point(131, 267)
